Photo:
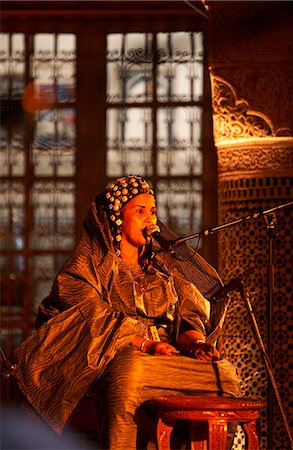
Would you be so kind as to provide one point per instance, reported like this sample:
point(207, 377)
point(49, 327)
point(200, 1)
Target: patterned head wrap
point(120, 192)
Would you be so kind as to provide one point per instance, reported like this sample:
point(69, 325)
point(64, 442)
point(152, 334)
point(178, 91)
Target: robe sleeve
point(57, 364)
point(193, 307)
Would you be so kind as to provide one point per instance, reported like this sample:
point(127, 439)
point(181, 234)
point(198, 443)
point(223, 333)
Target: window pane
point(180, 71)
point(11, 339)
point(53, 147)
point(180, 205)
point(12, 215)
point(179, 141)
point(129, 67)
point(65, 66)
point(12, 152)
point(53, 207)
point(43, 269)
point(53, 68)
point(12, 65)
point(129, 138)
point(12, 285)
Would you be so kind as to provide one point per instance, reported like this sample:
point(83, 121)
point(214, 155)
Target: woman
point(124, 316)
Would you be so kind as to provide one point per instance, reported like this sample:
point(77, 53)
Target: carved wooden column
point(250, 58)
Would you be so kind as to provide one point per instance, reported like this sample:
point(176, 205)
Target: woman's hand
point(161, 348)
point(152, 347)
point(193, 343)
point(204, 352)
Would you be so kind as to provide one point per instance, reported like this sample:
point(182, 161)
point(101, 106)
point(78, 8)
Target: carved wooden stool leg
point(208, 419)
point(198, 436)
point(250, 429)
point(217, 434)
point(164, 430)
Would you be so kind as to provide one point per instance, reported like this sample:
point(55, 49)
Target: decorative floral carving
point(255, 158)
point(232, 117)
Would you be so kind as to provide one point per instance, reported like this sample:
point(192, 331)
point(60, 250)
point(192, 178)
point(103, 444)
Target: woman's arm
point(146, 345)
point(193, 343)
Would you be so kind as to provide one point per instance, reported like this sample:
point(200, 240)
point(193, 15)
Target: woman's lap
point(135, 377)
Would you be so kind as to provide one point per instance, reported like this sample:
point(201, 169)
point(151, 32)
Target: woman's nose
point(151, 218)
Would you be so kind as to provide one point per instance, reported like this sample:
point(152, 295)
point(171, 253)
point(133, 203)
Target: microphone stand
point(246, 298)
point(271, 224)
point(254, 215)
point(270, 219)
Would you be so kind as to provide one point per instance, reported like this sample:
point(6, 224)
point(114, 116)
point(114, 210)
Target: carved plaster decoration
point(265, 155)
point(233, 118)
point(268, 88)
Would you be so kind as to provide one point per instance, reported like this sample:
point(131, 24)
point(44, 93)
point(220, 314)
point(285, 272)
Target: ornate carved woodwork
point(216, 411)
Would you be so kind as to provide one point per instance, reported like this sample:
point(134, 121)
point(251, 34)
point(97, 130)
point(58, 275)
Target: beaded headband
point(120, 192)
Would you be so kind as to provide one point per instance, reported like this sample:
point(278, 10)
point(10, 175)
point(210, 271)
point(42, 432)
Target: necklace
point(139, 278)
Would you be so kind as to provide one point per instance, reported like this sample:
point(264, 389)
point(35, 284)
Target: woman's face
point(137, 214)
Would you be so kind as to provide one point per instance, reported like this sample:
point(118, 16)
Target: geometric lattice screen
point(247, 245)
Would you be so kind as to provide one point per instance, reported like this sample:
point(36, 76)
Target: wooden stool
point(209, 417)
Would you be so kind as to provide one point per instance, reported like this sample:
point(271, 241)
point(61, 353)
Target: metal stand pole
point(246, 297)
point(271, 224)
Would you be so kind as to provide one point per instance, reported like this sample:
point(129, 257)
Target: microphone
point(153, 232)
point(234, 285)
